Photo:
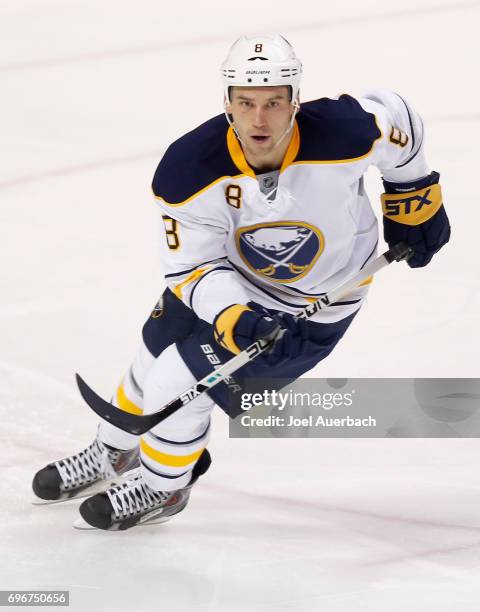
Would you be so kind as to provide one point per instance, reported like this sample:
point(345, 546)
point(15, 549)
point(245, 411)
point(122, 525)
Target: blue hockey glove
point(414, 213)
point(239, 326)
point(291, 342)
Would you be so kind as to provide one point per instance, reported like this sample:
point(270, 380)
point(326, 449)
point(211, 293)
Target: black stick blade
point(131, 423)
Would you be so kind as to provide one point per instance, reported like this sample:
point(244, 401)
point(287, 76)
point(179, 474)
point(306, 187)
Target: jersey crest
point(283, 252)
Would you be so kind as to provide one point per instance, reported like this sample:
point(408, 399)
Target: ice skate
point(92, 469)
point(133, 503)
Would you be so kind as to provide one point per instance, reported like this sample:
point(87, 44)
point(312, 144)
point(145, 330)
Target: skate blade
point(79, 523)
point(96, 487)
point(158, 521)
point(38, 501)
point(82, 525)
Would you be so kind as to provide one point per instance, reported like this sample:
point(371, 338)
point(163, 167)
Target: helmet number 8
point(258, 48)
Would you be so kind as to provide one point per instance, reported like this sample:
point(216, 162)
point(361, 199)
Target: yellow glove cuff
point(224, 325)
point(412, 207)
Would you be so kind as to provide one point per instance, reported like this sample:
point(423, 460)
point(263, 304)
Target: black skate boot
point(133, 502)
point(92, 469)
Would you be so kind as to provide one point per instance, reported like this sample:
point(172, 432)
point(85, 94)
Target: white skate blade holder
point(82, 525)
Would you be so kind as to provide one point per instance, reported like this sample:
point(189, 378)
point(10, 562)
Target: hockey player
point(263, 210)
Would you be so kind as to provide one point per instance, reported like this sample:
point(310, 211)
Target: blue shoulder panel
point(194, 161)
point(335, 130)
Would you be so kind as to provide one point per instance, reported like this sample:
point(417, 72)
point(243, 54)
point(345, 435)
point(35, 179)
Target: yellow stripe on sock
point(125, 404)
point(170, 460)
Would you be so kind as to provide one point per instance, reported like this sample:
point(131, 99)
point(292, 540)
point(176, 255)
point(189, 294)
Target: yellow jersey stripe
point(197, 193)
point(342, 161)
point(166, 459)
point(177, 290)
point(367, 281)
point(238, 156)
point(293, 148)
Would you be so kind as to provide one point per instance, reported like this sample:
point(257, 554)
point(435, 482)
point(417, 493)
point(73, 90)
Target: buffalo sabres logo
point(283, 252)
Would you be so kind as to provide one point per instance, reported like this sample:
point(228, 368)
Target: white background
point(91, 94)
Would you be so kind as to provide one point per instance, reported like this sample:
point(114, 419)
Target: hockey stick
point(139, 424)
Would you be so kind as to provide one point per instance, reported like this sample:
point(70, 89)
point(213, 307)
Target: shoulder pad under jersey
point(193, 162)
point(335, 130)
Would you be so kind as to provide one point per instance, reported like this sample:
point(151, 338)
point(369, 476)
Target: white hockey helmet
point(262, 61)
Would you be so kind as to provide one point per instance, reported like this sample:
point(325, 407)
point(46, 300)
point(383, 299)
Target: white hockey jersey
point(286, 237)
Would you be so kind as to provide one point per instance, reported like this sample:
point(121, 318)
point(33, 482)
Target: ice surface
point(91, 94)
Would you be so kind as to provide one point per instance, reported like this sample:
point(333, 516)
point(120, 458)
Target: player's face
point(261, 116)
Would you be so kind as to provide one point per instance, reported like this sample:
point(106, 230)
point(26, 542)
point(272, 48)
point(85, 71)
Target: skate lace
point(87, 465)
point(134, 496)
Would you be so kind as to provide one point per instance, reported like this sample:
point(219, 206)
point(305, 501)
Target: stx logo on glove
point(414, 208)
point(394, 207)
